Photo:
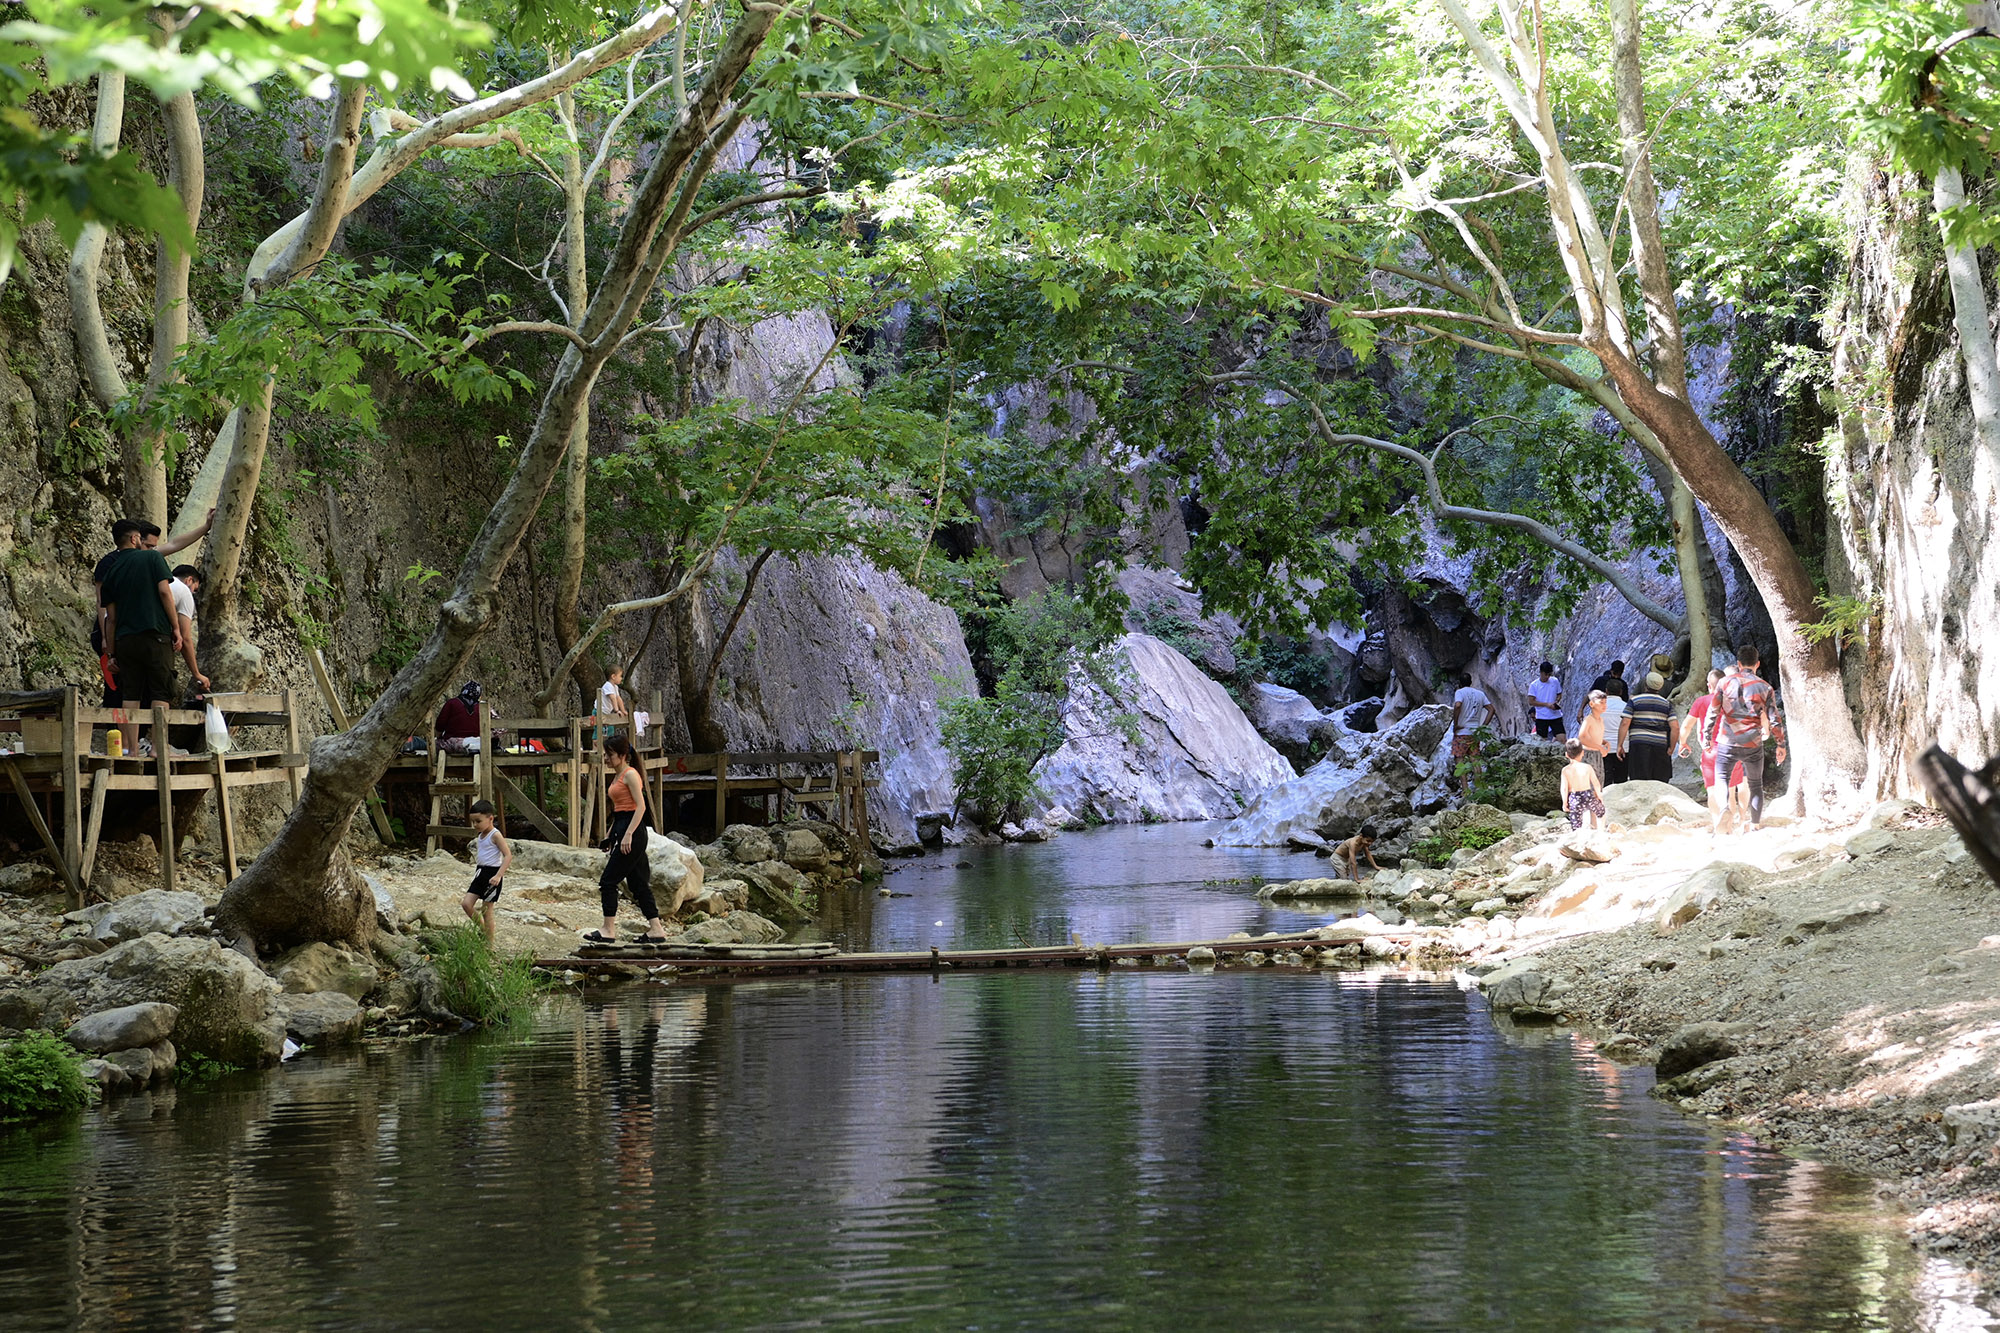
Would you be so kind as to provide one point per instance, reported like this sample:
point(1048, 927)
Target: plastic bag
point(217, 728)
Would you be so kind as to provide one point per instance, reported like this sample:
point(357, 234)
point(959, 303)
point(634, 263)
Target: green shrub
point(996, 742)
point(476, 984)
point(1435, 850)
point(40, 1075)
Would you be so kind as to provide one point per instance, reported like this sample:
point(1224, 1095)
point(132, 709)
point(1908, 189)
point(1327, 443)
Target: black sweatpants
point(631, 867)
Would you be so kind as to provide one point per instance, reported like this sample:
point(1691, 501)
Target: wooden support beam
point(292, 746)
point(225, 816)
point(482, 760)
point(721, 791)
point(42, 830)
point(534, 814)
point(574, 811)
point(437, 805)
point(163, 772)
point(100, 790)
point(72, 798)
point(377, 816)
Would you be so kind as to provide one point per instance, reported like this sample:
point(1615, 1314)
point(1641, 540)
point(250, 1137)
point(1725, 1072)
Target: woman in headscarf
point(458, 721)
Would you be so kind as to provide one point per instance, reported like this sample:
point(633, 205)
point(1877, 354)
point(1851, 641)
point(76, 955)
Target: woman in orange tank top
point(628, 861)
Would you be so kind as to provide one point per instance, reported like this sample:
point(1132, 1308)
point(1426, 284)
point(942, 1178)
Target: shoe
point(597, 937)
point(176, 752)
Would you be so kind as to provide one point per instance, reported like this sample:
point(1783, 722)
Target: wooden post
point(574, 811)
point(376, 814)
point(721, 792)
point(41, 827)
point(292, 746)
point(600, 796)
point(225, 816)
point(482, 763)
point(437, 771)
point(163, 771)
point(100, 782)
point(861, 801)
point(72, 782)
point(654, 714)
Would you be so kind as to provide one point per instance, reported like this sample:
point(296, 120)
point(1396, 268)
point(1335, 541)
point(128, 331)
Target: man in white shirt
point(1548, 696)
point(186, 583)
point(1469, 710)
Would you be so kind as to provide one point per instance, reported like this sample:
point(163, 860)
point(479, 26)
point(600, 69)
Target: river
point(1138, 1149)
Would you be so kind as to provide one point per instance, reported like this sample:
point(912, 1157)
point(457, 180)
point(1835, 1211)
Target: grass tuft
point(475, 983)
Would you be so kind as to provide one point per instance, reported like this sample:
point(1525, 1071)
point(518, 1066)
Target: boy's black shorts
point(483, 887)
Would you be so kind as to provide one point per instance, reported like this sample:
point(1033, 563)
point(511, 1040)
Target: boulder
point(1451, 823)
point(27, 879)
point(50, 1008)
point(1379, 778)
point(1699, 893)
point(126, 1026)
point(1522, 990)
point(1290, 721)
point(1692, 1047)
point(154, 912)
point(136, 1064)
point(1871, 843)
point(228, 1006)
point(1840, 918)
point(803, 851)
point(1527, 774)
point(735, 928)
point(1188, 753)
point(1970, 1123)
point(1314, 888)
point(677, 871)
point(777, 891)
point(721, 896)
point(748, 845)
point(1200, 954)
point(556, 859)
point(321, 1018)
point(1635, 804)
point(313, 968)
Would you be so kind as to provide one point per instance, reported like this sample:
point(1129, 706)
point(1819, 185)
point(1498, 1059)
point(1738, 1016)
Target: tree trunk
point(576, 467)
point(693, 651)
point(285, 896)
point(146, 465)
point(1972, 319)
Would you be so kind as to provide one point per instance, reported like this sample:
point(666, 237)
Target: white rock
point(1336, 796)
point(1198, 757)
point(154, 912)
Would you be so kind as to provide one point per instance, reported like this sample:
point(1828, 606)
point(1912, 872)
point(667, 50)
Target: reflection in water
point(1136, 1148)
point(999, 1150)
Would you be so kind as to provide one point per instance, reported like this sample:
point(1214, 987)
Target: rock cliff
point(1189, 753)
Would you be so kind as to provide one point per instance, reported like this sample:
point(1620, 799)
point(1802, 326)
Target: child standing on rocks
point(492, 856)
point(1582, 789)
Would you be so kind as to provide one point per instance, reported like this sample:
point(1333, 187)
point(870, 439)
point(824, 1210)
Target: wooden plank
point(522, 805)
point(437, 806)
point(247, 701)
point(225, 816)
point(163, 769)
point(574, 774)
point(99, 786)
point(72, 798)
point(482, 768)
point(127, 718)
point(721, 791)
point(42, 829)
point(293, 745)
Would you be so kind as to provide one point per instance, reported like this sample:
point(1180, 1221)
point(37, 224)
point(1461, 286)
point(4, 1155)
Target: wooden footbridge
point(689, 962)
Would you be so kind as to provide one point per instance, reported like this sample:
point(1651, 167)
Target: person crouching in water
point(1582, 788)
point(492, 856)
point(1360, 845)
point(627, 845)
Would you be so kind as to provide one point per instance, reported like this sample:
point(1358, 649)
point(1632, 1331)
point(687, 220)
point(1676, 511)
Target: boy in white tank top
point(490, 856)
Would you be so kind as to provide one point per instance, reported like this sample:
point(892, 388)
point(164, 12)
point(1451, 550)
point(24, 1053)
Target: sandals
point(597, 937)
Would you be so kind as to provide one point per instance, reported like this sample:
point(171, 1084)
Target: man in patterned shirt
point(1744, 713)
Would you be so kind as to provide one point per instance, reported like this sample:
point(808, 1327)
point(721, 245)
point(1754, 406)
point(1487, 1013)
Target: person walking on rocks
point(492, 857)
point(1590, 734)
point(1613, 683)
point(1649, 733)
point(627, 844)
point(1547, 692)
point(1470, 708)
point(1743, 715)
point(1615, 738)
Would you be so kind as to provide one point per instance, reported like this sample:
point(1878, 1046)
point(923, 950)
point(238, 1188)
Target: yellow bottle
point(114, 742)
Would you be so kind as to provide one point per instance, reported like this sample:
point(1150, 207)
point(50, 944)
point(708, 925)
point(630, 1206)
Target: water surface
point(1136, 1149)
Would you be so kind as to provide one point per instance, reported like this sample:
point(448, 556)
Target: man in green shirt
point(142, 627)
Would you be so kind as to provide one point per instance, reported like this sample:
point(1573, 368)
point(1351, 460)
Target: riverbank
point(1847, 978)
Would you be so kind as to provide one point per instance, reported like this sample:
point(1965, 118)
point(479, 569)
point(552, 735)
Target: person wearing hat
point(458, 721)
point(1649, 733)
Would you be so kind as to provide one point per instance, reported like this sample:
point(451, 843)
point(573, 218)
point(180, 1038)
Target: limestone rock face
point(835, 654)
point(1197, 756)
point(126, 1026)
point(228, 1006)
point(314, 968)
point(154, 912)
point(1390, 775)
point(1287, 719)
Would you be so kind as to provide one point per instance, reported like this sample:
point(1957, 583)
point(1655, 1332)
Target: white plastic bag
point(218, 732)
